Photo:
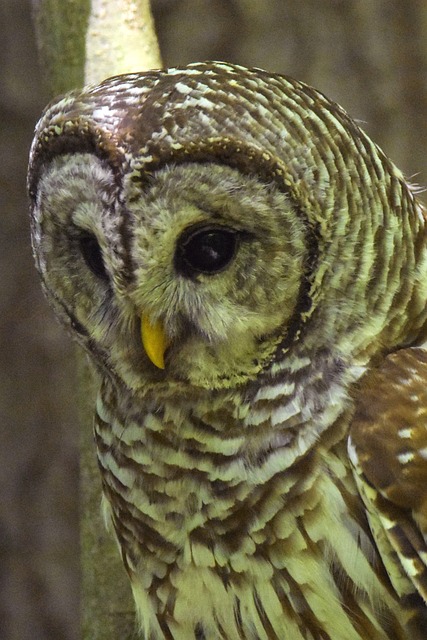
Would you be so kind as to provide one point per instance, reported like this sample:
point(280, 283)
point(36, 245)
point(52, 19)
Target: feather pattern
point(266, 480)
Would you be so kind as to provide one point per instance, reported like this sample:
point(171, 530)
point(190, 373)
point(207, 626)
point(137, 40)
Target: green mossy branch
point(61, 27)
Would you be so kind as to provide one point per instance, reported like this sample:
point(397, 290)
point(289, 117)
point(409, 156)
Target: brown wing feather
point(388, 447)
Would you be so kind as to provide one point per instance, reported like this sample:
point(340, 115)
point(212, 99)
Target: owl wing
point(388, 449)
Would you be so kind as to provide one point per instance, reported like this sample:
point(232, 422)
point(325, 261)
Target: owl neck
point(249, 433)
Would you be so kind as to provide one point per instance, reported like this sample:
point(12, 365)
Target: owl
point(248, 274)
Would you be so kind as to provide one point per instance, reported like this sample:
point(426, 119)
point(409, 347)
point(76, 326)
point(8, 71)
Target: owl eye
point(205, 250)
point(92, 254)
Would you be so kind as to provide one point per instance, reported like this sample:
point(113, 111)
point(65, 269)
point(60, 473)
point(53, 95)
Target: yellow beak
point(154, 340)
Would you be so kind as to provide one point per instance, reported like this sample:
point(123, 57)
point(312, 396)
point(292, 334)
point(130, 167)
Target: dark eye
point(92, 254)
point(205, 250)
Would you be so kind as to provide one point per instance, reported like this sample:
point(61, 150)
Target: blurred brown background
point(368, 55)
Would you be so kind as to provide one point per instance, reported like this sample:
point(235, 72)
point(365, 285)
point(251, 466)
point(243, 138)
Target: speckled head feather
point(225, 113)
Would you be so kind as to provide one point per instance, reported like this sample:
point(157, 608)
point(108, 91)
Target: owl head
point(200, 226)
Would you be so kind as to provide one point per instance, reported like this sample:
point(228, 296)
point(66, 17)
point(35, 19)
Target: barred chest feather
point(234, 525)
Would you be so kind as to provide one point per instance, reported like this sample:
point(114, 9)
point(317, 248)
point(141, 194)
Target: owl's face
point(212, 258)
